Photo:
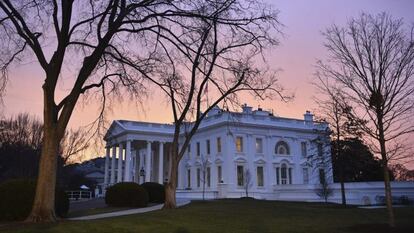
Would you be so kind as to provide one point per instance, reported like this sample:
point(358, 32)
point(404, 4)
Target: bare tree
point(108, 47)
point(204, 166)
point(320, 160)
point(73, 143)
point(220, 62)
point(247, 181)
point(337, 113)
point(372, 62)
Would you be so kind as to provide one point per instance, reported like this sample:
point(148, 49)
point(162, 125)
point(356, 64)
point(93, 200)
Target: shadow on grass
point(379, 228)
point(181, 230)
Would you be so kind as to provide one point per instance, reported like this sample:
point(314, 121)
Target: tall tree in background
point(220, 63)
point(372, 62)
point(106, 47)
point(337, 113)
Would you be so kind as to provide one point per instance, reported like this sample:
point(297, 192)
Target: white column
point(120, 155)
point(127, 176)
point(107, 166)
point(112, 180)
point(161, 164)
point(148, 163)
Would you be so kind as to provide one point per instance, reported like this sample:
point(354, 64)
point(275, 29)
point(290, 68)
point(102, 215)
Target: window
point(239, 144)
point(282, 148)
point(260, 176)
point(219, 176)
point(283, 174)
point(198, 178)
point(277, 176)
point(218, 145)
point(305, 175)
point(322, 178)
point(240, 175)
point(208, 146)
point(208, 177)
point(198, 149)
point(189, 148)
point(189, 178)
point(290, 176)
point(320, 149)
point(303, 149)
point(259, 145)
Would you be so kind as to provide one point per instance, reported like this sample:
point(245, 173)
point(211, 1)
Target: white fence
point(76, 195)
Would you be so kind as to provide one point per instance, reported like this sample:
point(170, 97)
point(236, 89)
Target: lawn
point(238, 216)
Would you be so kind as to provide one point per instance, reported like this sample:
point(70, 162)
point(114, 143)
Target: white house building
point(274, 157)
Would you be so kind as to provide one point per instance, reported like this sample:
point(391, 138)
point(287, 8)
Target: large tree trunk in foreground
point(43, 209)
point(170, 188)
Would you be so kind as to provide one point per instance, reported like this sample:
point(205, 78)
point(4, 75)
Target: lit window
point(218, 145)
point(239, 144)
point(208, 146)
point(260, 176)
point(198, 149)
point(303, 149)
point(259, 145)
point(240, 175)
point(282, 148)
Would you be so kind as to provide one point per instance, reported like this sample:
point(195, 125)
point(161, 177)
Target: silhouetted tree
point(372, 63)
point(220, 63)
point(336, 112)
point(359, 163)
point(247, 181)
point(110, 47)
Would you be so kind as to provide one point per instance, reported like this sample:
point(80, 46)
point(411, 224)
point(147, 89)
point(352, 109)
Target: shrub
point(17, 196)
point(126, 194)
point(156, 192)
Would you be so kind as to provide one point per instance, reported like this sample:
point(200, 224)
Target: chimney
point(308, 116)
point(246, 109)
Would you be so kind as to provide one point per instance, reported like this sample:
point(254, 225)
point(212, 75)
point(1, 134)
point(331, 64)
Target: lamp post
point(142, 173)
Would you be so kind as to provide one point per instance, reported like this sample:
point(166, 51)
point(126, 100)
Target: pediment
point(115, 129)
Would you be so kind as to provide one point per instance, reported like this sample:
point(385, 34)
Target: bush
point(126, 194)
point(155, 191)
point(17, 196)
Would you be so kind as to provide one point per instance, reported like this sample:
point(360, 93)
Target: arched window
point(283, 174)
point(282, 148)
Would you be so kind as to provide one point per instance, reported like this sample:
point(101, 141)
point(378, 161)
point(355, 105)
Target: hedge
point(17, 196)
point(155, 191)
point(126, 194)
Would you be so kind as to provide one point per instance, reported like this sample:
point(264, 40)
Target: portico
point(136, 156)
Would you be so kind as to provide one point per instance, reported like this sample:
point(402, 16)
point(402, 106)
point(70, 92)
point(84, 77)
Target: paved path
point(127, 212)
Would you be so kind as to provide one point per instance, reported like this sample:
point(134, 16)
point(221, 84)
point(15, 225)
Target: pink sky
point(299, 49)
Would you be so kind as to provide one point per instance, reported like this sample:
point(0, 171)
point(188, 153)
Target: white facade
point(278, 152)
point(275, 150)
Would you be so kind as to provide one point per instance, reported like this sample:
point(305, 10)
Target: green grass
point(102, 210)
point(241, 216)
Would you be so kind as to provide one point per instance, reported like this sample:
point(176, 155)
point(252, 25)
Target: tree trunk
point(343, 192)
point(43, 209)
point(388, 195)
point(170, 189)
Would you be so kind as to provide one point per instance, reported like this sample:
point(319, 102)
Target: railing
point(76, 195)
